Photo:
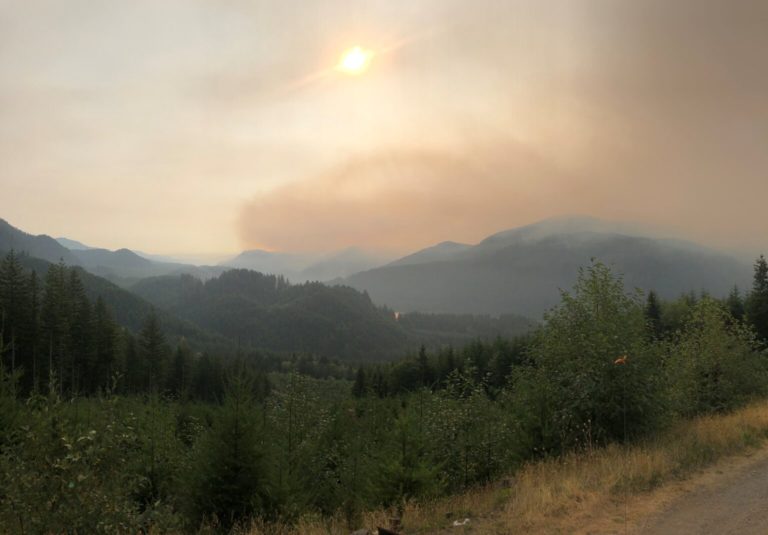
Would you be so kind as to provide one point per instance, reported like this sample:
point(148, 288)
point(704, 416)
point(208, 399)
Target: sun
point(355, 60)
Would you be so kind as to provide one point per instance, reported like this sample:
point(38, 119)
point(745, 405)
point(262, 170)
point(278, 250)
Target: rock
point(459, 523)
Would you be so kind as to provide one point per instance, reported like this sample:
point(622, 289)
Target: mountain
point(267, 312)
point(522, 270)
point(125, 267)
point(303, 267)
point(442, 251)
point(41, 246)
point(274, 263)
point(341, 264)
point(73, 245)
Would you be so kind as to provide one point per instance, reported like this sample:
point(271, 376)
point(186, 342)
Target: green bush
point(713, 364)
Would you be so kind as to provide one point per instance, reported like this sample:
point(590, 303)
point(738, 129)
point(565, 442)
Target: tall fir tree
point(80, 334)
point(31, 334)
point(735, 304)
point(360, 386)
point(101, 367)
point(653, 315)
point(154, 351)
point(54, 319)
point(13, 294)
point(179, 375)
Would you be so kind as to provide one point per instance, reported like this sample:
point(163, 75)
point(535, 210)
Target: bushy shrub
point(595, 376)
point(714, 364)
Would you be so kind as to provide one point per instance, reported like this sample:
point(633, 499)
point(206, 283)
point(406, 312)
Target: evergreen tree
point(102, 367)
point(735, 304)
point(13, 296)
point(31, 334)
point(426, 375)
point(229, 480)
point(757, 304)
point(54, 318)
point(360, 387)
point(179, 376)
point(154, 351)
point(80, 335)
point(653, 315)
point(132, 366)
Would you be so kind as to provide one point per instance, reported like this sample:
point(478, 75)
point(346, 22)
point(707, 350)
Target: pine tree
point(32, 333)
point(102, 367)
point(154, 351)
point(735, 304)
point(13, 294)
point(653, 315)
point(179, 375)
point(229, 482)
point(757, 304)
point(426, 375)
point(360, 387)
point(54, 318)
point(80, 334)
point(132, 365)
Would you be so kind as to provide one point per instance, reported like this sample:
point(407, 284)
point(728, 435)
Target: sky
point(212, 126)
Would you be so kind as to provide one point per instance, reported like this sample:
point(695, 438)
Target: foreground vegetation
point(556, 495)
point(609, 367)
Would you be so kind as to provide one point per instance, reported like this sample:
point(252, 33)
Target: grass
point(554, 496)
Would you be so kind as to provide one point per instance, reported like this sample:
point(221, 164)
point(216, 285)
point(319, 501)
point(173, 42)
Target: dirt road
point(731, 500)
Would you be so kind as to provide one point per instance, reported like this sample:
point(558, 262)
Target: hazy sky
point(208, 126)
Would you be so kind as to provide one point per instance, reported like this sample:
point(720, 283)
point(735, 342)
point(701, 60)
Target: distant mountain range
point(518, 271)
point(305, 267)
point(522, 270)
point(243, 309)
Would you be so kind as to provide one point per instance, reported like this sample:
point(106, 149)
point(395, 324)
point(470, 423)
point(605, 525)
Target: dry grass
point(560, 496)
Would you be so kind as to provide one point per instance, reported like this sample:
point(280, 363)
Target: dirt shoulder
point(730, 497)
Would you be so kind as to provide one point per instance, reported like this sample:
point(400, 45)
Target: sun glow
point(355, 60)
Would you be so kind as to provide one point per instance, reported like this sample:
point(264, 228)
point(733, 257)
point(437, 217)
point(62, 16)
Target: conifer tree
point(735, 304)
point(54, 318)
point(179, 375)
point(653, 315)
point(757, 304)
point(80, 334)
point(360, 387)
point(102, 366)
point(13, 293)
point(229, 482)
point(154, 351)
point(426, 376)
point(31, 333)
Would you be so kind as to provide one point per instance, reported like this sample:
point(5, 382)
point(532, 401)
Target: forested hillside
point(522, 271)
point(267, 312)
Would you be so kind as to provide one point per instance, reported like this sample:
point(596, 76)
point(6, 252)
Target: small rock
point(459, 523)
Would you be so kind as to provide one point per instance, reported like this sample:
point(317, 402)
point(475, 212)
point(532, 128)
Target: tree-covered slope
point(522, 272)
point(267, 312)
point(130, 310)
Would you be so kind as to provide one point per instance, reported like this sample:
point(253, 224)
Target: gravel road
point(734, 503)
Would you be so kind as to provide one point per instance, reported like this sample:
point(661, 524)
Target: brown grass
point(564, 495)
